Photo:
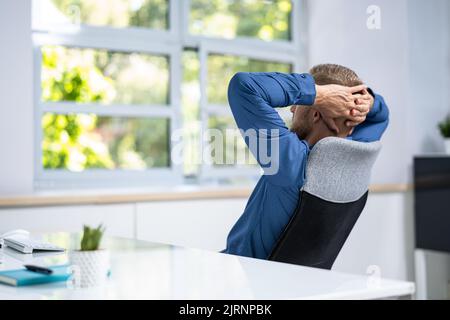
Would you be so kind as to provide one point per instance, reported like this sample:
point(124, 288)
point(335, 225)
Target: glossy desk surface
point(144, 270)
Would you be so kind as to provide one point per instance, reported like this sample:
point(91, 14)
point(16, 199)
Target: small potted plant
point(444, 127)
point(90, 264)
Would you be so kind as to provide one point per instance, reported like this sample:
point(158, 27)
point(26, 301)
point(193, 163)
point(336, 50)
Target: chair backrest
point(331, 201)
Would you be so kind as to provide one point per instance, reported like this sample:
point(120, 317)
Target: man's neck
point(313, 138)
point(317, 135)
point(310, 141)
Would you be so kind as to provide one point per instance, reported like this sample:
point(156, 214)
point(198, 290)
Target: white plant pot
point(90, 268)
point(447, 145)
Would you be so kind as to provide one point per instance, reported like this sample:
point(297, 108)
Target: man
point(330, 101)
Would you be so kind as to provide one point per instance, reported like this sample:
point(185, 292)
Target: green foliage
point(92, 238)
point(267, 20)
point(62, 81)
point(118, 13)
point(222, 68)
point(87, 141)
point(444, 127)
point(152, 14)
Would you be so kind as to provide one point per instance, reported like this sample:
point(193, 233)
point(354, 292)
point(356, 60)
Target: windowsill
point(133, 195)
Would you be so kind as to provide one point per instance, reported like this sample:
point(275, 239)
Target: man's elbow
point(240, 82)
point(383, 114)
point(239, 86)
point(383, 117)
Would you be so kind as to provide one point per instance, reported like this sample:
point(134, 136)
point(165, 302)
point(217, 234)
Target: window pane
point(221, 69)
point(88, 75)
point(266, 20)
point(286, 115)
point(190, 98)
point(78, 142)
point(228, 148)
point(114, 13)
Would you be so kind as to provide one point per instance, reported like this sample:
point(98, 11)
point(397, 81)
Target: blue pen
point(38, 269)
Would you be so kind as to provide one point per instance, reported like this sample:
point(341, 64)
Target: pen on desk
point(38, 269)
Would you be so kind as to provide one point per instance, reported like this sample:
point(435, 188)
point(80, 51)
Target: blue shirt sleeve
point(376, 122)
point(252, 98)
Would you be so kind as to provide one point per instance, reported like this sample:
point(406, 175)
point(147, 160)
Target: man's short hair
point(324, 74)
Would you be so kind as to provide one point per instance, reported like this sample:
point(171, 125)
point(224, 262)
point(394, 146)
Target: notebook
point(24, 277)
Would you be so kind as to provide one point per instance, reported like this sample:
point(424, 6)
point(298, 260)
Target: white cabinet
point(118, 219)
point(198, 223)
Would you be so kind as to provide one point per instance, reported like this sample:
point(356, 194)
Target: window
point(78, 142)
point(105, 77)
point(221, 68)
point(226, 145)
point(120, 84)
point(151, 14)
point(265, 20)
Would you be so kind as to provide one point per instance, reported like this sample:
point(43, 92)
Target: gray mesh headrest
point(338, 170)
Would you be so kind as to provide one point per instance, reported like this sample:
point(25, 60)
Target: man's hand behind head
point(335, 101)
point(364, 103)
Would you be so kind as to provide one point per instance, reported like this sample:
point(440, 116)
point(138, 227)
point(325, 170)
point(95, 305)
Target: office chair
point(334, 195)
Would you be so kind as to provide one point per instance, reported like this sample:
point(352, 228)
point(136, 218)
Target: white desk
point(143, 270)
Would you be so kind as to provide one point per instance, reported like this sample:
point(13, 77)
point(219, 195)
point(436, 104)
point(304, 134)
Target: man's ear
point(316, 116)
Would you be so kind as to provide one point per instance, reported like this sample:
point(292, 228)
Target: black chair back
point(330, 203)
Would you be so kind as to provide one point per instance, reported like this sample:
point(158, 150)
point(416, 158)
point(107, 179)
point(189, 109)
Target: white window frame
point(171, 43)
point(118, 40)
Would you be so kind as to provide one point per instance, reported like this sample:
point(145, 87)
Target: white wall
point(406, 61)
point(16, 97)
point(429, 25)
point(383, 237)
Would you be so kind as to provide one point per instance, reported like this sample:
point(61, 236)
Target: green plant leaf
point(444, 127)
point(91, 238)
